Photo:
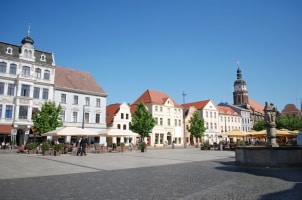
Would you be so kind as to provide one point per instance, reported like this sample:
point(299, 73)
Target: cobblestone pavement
point(157, 174)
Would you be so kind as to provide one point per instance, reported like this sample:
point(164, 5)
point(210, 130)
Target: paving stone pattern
point(186, 174)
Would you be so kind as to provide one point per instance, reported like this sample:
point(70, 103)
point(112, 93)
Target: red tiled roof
point(5, 129)
point(226, 110)
point(154, 97)
point(257, 107)
point(199, 105)
point(111, 110)
point(290, 109)
point(71, 79)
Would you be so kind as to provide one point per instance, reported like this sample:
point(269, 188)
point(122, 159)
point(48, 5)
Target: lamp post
point(184, 121)
point(83, 121)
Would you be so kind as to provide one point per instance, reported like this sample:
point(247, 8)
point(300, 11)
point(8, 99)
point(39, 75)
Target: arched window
point(3, 67)
point(38, 73)
point(46, 74)
point(13, 69)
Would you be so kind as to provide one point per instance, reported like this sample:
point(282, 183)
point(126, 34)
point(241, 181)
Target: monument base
point(264, 156)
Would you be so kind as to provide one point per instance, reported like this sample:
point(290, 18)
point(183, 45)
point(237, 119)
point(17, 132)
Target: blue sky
point(171, 46)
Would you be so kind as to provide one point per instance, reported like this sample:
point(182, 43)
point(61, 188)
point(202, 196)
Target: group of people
point(81, 144)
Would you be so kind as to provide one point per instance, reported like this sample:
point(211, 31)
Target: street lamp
point(83, 121)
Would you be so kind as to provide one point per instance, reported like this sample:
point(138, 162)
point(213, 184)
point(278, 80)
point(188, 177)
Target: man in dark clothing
point(83, 143)
point(79, 146)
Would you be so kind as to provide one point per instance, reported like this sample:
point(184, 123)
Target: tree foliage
point(289, 122)
point(260, 125)
point(196, 125)
point(48, 118)
point(142, 121)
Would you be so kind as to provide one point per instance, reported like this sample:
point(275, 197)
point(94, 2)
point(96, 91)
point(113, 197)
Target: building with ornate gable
point(29, 77)
point(168, 115)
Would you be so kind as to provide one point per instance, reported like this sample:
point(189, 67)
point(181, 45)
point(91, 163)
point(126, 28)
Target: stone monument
point(270, 123)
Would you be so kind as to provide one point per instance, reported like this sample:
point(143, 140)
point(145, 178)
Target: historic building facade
point(28, 78)
point(168, 117)
point(241, 99)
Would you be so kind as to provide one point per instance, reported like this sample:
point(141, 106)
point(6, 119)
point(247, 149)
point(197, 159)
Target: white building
point(168, 117)
point(29, 77)
point(83, 101)
point(209, 113)
point(26, 82)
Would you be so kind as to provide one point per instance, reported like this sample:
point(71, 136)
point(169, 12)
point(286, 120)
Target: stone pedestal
point(271, 136)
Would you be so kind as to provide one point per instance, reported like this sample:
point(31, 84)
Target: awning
point(6, 129)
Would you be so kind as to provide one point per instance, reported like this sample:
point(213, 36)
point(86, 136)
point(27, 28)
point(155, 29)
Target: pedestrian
point(79, 146)
point(83, 143)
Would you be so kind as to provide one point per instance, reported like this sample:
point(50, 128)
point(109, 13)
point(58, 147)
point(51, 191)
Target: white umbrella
point(114, 132)
point(70, 131)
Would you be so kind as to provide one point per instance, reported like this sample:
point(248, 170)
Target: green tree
point(290, 122)
point(142, 121)
point(259, 126)
point(196, 125)
point(48, 118)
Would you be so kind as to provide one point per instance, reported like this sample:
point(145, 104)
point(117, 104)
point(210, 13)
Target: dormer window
point(9, 50)
point(43, 58)
point(27, 53)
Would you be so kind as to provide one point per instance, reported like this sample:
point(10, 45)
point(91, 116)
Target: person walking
point(79, 146)
point(84, 143)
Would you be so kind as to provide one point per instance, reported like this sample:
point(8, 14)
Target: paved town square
point(157, 174)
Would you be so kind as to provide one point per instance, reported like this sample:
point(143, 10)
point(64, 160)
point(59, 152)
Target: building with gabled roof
point(208, 111)
point(168, 115)
point(82, 100)
point(291, 109)
point(229, 119)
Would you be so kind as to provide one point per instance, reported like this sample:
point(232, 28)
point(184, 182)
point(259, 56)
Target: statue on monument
point(270, 113)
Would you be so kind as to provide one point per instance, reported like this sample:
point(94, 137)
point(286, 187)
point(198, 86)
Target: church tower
point(240, 94)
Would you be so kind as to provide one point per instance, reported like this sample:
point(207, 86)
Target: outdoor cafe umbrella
point(237, 133)
point(114, 132)
point(70, 131)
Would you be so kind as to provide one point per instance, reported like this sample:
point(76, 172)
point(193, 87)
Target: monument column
point(270, 122)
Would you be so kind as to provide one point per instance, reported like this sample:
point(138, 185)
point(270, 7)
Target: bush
point(57, 147)
point(31, 146)
point(143, 145)
point(45, 146)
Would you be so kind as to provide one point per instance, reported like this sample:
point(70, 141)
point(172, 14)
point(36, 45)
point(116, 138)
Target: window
point(25, 71)
point(156, 108)
point(74, 117)
point(8, 111)
point(27, 53)
point(127, 116)
point(161, 121)
point(206, 114)
point(98, 102)
point(38, 73)
point(156, 120)
point(175, 122)
point(46, 75)
point(13, 69)
point(87, 101)
point(9, 50)
point(34, 111)
point(0, 110)
point(169, 121)
point(86, 117)
point(122, 115)
point(161, 109)
point(36, 93)
point(1, 88)
point(25, 89)
point(97, 118)
point(75, 99)
point(11, 89)
point(118, 126)
point(23, 112)
point(124, 127)
point(45, 93)
point(63, 98)
point(63, 115)
point(43, 58)
point(179, 122)
point(3, 67)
